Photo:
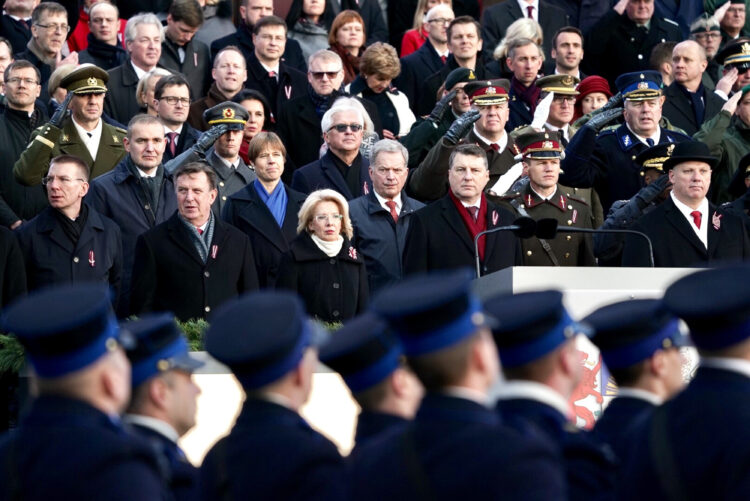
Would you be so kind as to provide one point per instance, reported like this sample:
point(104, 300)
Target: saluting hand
point(209, 137)
point(461, 126)
point(732, 102)
point(61, 112)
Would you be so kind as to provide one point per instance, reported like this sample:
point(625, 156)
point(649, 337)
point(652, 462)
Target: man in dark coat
point(448, 345)
point(269, 218)
point(251, 11)
point(15, 24)
point(381, 218)
point(172, 96)
point(69, 241)
point(270, 442)
point(137, 194)
point(104, 49)
point(143, 39)
point(525, 61)
point(496, 19)
point(180, 53)
point(686, 230)
point(19, 203)
point(342, 168)
point(12, 271)
point(607, 162)
point(164, 397)
point(267, 71)
point(622, 41)
point(229, 74)
point(193, 262)
point(716, 307)
point(536, 340)
point(82, 377)
point(688, 103)
point(441, 235)
point(640, 344)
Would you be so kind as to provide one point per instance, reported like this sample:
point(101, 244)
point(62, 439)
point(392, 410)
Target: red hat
point(591, 84)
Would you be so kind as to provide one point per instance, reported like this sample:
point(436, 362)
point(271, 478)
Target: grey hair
point(325, 55)
point(388, 146)
point(340, 107)
point(143, 18)
point(513, 45)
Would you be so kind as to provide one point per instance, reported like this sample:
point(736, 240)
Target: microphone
point(523, 227)
point(548, 229)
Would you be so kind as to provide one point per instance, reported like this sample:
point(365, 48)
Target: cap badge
point(670, 148)
point(92, 81)
point(567, 80)
point(642, 85)
point(746, 48)
point(641, 76)
point(471, 75)
point(490, 90)
point(162, 365)
point(547, 145)
point(228, 113)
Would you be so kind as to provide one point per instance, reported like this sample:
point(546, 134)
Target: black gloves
point(461, 126)
point(599, 120)
point(649, 193)
point(61, 112)
point(208, 138)
point(438, 112)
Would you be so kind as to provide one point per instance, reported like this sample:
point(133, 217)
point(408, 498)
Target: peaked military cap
point(690, 150)
point(530, 325)
point(488, 92)
point(160, 346)
point(65, 328)
point(715, 304)
point(540, 145)
point(559, 84)
point(364, 351)
point(639, 85)
point(262, 336)
point(735, 54)
point(232, 114)
point(457, 76)
point(655, 156)
point(711, 23)
point(86, 79)
point(431, 312)
point(631, 331)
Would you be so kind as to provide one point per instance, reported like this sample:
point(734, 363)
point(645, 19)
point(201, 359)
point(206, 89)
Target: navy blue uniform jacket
point(272, 453)
point(620, 415)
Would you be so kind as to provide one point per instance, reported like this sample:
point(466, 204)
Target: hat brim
point(489, 101)
point(89, 90)
point(672, 161)
point(186, 362)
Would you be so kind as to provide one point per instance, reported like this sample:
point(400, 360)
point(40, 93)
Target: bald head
point(688, 64)
point(436, 22)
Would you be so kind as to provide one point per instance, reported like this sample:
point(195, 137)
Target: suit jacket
point(17, 34)
point(713, 463)
point(243, 39)
point(438, 239)
point(169, 275)
point(115, 463)
point(414, 67)
point(614, 426)
point(120, 102)
point(496, 19)
point(196, 67)
point(230, 180)
point(323, 174)
point(185, 140)
point(246, 211)
point(676, 244)
point(679, 109)
point(428, 458)
point(291, 83)
point(269, 445)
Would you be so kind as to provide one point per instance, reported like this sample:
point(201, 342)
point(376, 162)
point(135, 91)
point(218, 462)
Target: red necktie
point(172, 140)
point(473, 211)
point(200, 231)
point(696, 218)
point(392, 205)
point(495, 146)
point(530, 10)
point(272, 74)
point(443, 59)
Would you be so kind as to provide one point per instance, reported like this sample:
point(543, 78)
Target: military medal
point(92, 261)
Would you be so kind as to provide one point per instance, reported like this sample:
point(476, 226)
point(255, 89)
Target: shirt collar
point(142, 173)
point(523, 4)
point(703, 208)
point(656, 137)
point(154, 424)
point(502, 143)
point(84, 133)
point(468, 394)
point(382, 201)
point(648, 396)
point(738, 365)
point(228, 164)
point(271, 68)
point(138, 72)
point(534, 391)
point(178, 130)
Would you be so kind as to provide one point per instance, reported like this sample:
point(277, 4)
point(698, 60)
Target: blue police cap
point(629, 332)
point(639, 85)
point(364, 351)
point(431, 312)
point(530, 325)
point(159, 347)
point(262, 336)
point(64, 328)
point(715, 304)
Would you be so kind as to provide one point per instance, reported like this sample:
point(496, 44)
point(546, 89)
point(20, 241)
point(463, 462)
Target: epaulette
point(608, 130)
point(671, 22)
point(120, 129)
point(520, 127)
point(609, 127)
point(508, 195)
point(577, 199)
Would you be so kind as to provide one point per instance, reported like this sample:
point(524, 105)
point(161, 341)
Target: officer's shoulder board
point(121, 130)
point(576, 198)
point(509, 195)
point(609, 128)
point(671, 21)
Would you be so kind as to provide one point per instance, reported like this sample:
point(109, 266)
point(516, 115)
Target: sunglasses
point(343, 127)
point(318, 75)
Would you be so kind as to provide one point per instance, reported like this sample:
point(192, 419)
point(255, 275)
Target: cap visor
point(186, 362)
point(319, 335)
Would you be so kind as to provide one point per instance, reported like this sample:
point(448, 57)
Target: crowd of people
point(216, 161)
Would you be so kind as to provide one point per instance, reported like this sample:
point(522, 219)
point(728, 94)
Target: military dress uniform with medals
point(49, 141)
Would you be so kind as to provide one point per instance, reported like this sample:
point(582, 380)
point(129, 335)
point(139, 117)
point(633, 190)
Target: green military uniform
point(49, 141)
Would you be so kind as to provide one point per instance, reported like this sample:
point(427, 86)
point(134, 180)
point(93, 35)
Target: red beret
point(591, 84)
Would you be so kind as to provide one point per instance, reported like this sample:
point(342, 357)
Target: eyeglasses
point(567, 99)
point(318, 75)
point(63, 28)
point(343, 127)
point(63, 180)
point(27, 81)
point(172, 100)
point(712, 34)
point(322, 218)
point(441, 20)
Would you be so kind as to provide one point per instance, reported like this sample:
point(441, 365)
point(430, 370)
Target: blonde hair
point(519, 29)
point(313, 199)
point(143, 82)
point(421, 12)
point(380, 60)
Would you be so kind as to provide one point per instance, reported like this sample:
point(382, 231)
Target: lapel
point(306, 112)
point(218, 242)
point(679, 101)
point(179, 235)
point(72, 144)
point(334, 176)
point(453, 218)
point(93, 225)
point(515, 10)
point(257, 215)
point(714, 233)
point(430, 56)
point(129, 78)
point(493, 221)
point(48, 224)
point(219, 167)
point(109, 143)
point(681, 224)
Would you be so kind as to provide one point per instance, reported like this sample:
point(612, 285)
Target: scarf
point(320, 102)
point(275, 201)
point(350, 173)
point(330, 249)
point(351, 63)
point(73, 227)
point(528, 95)
point(38, 52)
point(114, 55)
point(201, 242)
point(474, 227)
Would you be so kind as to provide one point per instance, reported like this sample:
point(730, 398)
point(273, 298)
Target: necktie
point(443, 59)
point(200, 231)
point(696, 218)
point(172, 143)
point(392, 205)
point(272, 74)
point(24, 23)
point(495, 146)
point(530, 11)
point(649, 142)
point(473, 211)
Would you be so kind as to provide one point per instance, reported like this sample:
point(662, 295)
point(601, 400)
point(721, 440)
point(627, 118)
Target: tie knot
point(199, 230)
point(473, 211)
point(272, 74)
point(649, 142)
point(696, 218)
point(171, 135)
point(495, 147)
point(392, 206)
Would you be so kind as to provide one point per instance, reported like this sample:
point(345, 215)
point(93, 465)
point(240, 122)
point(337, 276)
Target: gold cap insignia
point(115, 139)
point(162, 365)
point(471, 75)
point(111, 344)
point(567, 80)
point(490, 90)
point(670, 149)
point(228, 113)
point(65, 138)
point(547, 144)
point(546, 136)
point(92, 81)
point(643, 85)
point(746, 48)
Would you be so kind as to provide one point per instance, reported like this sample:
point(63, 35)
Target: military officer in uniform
point(83, 133)
point(543, 198)
point(561, 108)
point(607, 162)
point(71, 443)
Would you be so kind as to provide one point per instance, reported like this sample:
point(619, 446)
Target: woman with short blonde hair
point(144, 92)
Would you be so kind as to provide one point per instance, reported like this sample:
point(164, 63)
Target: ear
point(553, 52)
point(508, 61)
point(84, 189)
point(656, 363)
point(671, 176)
point(126, 143)
point(157, 392)
point(525, 171)
point(398, 382)
point(213, 194)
